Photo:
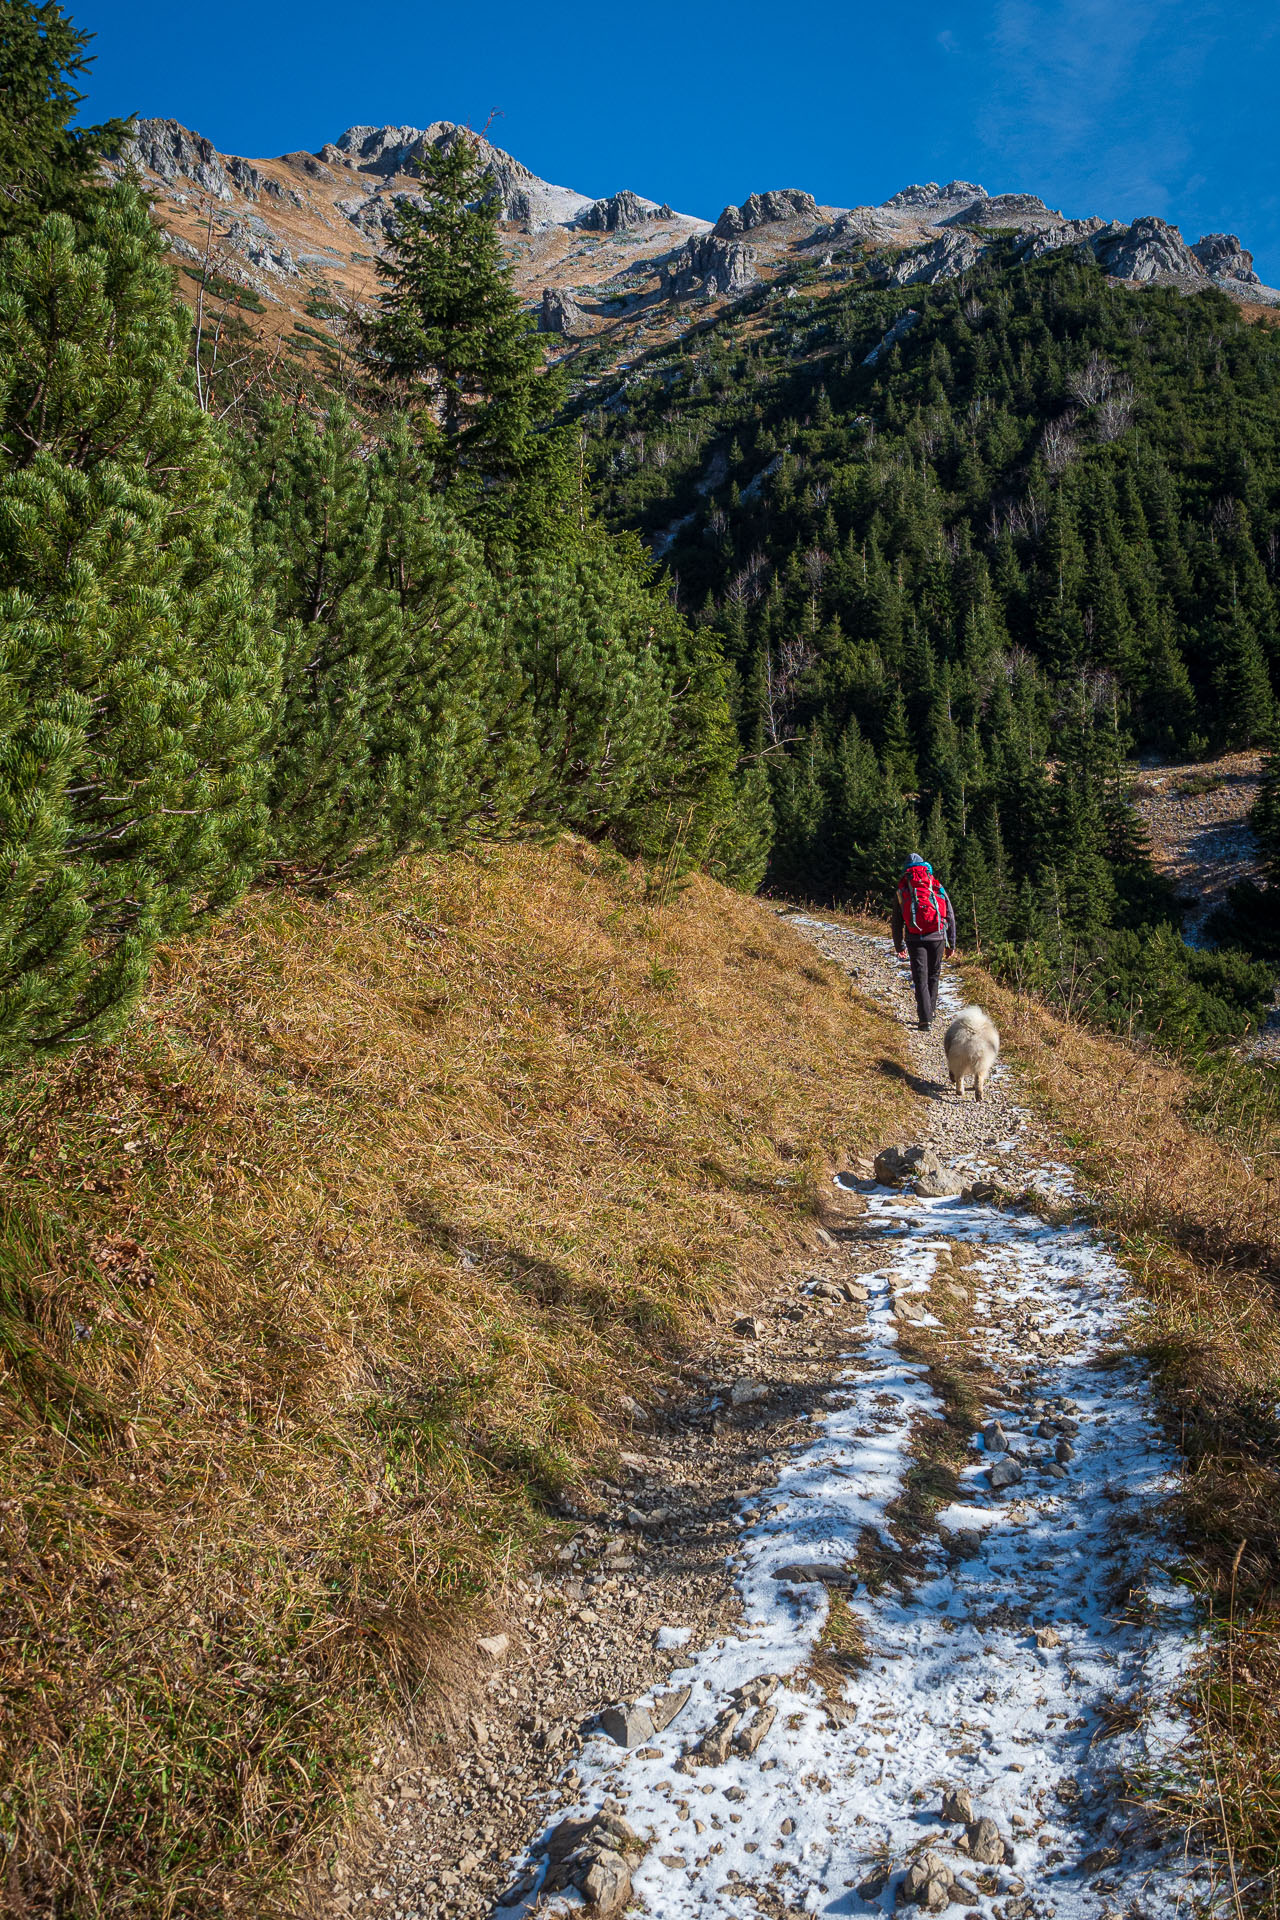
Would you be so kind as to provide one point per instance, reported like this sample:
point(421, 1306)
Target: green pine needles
point(137, 667)
point(400, 724)
point(297, 653)
point(46, 164)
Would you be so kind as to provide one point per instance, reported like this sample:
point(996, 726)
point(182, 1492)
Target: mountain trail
point(887, 1611)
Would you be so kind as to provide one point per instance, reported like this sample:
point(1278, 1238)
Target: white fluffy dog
point(971, 1045)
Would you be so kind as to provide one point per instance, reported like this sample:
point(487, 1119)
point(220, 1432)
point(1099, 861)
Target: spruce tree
point(857, 793)
point(738, 852)
point(973, 892)
point(936, 843)
point(799, 862)
point(1167, 699)
point(451, 344)
point(137, 666)
point(1080, 882)
point(47, 165)
point(1265, 814)
point(1245, 705)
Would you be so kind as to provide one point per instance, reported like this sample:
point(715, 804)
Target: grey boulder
point(987, 1845)
point(1223, 258)
point(893, 1165)
point(559, 312)
point(618, 211)
point(629, 1726)
point(1145, 251)
point(939, 1186)
point(943, 259)
point(712, 266)
point(667, 1706)
point(927, 1884)
point(605, 1882)
point(957, 1805)
point(801, 1573)
point(713, 1748)
point(591, 1856)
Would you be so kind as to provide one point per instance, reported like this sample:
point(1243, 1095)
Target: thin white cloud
point(1102, 90)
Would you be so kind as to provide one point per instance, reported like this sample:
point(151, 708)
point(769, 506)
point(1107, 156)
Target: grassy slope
point(1184, 1171)
point(312, 1289)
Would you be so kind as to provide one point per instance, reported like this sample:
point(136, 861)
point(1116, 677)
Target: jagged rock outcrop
point(1145, 251)
point(619, 211)
point(384, 150)
point(761, 209)
point(559, 312)
point(376, 216)
point(930, 195)
point(1001, 210)
point(858, 223)
point(710, 265)
point(246, 176)
point(946, 257)
point(525, 200)
point(1064, 233)
point(174, 153)
point(921, 235)
point(253, 239)
point(1223, 258)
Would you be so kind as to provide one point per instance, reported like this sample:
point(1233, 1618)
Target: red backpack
point(923, 902)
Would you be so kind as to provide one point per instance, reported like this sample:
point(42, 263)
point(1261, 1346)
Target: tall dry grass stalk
point(313, 1289)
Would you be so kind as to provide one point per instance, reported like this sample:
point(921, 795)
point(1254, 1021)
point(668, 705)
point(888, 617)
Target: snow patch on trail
point(1034, 1656)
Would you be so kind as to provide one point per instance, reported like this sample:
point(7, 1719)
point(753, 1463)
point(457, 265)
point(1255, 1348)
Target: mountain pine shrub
point(583, 630)
point(137, 672)
point(403, 723)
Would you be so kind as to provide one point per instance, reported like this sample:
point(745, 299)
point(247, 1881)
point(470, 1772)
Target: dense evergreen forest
point(969, 549)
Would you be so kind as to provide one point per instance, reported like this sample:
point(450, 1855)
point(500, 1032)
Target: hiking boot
point(925, 1025)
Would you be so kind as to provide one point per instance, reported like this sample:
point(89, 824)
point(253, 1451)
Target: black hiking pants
point(924, 952)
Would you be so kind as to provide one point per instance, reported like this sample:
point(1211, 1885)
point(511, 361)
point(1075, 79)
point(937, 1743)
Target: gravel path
point(880, 1609)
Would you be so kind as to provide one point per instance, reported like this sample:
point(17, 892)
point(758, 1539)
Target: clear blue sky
point(1119, 107)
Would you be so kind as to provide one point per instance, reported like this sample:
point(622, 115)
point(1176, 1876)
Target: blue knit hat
point(916, 860)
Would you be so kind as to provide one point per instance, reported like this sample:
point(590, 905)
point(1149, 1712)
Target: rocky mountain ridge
point(301, 234)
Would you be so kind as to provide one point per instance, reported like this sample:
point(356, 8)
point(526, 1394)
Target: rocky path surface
point(1197, 822)
point(882, 1611)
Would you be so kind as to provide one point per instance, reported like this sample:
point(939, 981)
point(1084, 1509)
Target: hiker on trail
point(924, 922)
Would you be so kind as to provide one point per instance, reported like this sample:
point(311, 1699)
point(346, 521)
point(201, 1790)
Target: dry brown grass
point(1184, 1174)
point(314, 1290)
point(840, 1654)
